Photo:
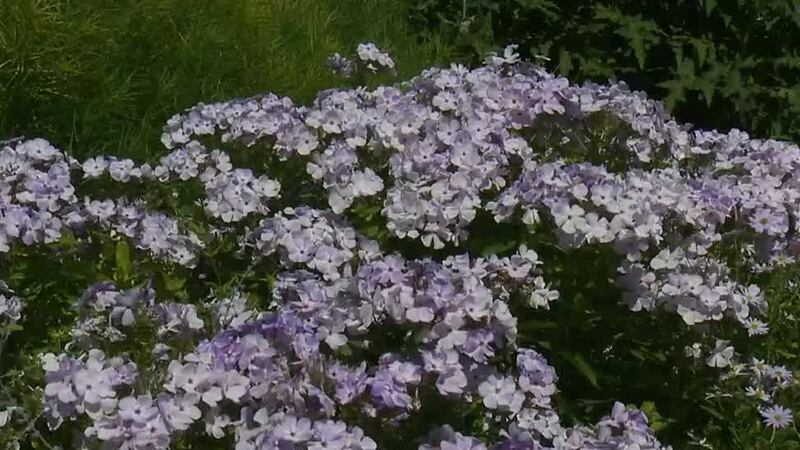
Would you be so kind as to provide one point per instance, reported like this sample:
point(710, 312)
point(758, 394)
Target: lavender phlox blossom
point(178, 318)
point(138, 424)
point(389, 386)
point(311, 238)
point(231, 196)
point(83, 386)
point(105, 313)
point(341, 65)
point(501, 393)
point(374, 57)
point(162, 236)
point(445, 438)
point(179, 412)
point(720, 355)
point(624, 428)
point(231, 311)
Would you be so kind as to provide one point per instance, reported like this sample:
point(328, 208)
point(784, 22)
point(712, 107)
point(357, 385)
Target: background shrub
point(717, 64)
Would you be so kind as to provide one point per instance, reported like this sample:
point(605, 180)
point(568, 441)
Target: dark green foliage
point(602, 351)
point(718, 64)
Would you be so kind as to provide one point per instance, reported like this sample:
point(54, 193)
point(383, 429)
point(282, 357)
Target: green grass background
point(102, 76)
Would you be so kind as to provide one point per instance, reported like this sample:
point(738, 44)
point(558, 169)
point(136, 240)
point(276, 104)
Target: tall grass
point(96, 76)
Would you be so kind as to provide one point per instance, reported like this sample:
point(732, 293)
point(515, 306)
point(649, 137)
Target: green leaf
point(702, 49)
point(656, 421)
point(706, 87)
point(584, 368)
point(12, 327)
point(497, 248)
point(538, 325)
point(68, 240)
point(710, 5)
point(713, 412)
point(546, 8)
point(123, 259)
point(641, 34)
point(344, 351)
point(565, 65)
point(638, 355)
point(173, 283)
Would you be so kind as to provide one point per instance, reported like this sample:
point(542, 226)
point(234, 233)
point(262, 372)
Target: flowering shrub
point(273, 295)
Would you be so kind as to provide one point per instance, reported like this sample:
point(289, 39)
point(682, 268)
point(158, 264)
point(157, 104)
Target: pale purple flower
point(139, 409)
point(776, 416)
point(755, 327)
point(293, 429)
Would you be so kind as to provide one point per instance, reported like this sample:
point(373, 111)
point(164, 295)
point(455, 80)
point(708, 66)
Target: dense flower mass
point(313, 368)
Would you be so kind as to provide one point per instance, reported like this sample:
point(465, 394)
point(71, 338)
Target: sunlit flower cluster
point(314, 368)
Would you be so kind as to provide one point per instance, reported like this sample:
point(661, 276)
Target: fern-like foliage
point(718, 64)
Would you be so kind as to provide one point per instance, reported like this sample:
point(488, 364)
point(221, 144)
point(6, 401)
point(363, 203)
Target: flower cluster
point(763, 383)
point(315, 369)
point(84, 386)
point(623, 429)
point(314, 240)
point(38, 203)
point(35, 186)
point(341, 66)
point(373, 57)
point(230, 194)
point(162, 236)
point(370, 59)
point(457, 135)
point(106, 314)
point(231, 311)
point(267, 118)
